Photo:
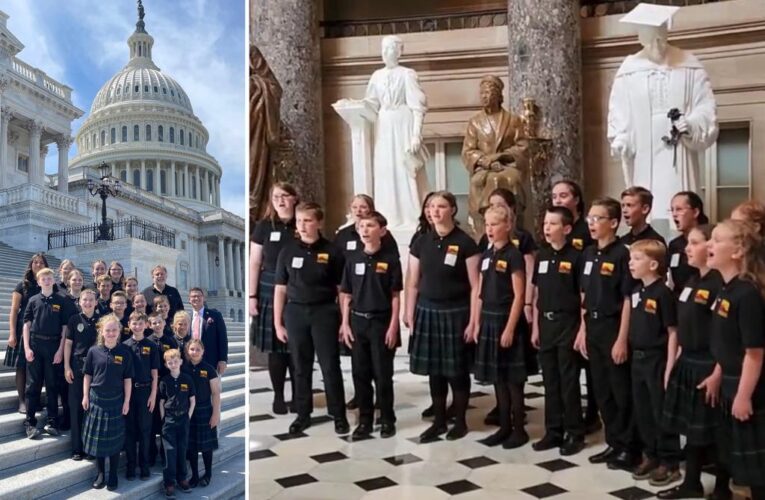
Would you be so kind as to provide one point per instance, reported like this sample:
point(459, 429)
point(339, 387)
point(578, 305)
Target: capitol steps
point(13, 262)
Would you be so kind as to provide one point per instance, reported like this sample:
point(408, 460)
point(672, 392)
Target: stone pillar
point(204, 270)
point(114, 169)
point(243, 264)
point(217, 191)
point(63, 143)
point(157, 180)
point(143, 174)
point(545, 63)
point(287, 33)
point(221, 268)
point(43, 155)
point(36, 171)
point(229, 265)
point(236, 262)
point(206, 186)
point(186, 181)
point(5, 118)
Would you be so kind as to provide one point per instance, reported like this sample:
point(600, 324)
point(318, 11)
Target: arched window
point(137, 88)
point(150, 180)
point(136, 132)
point(95, 144)
point(156, 89)
point(113, 136)
point(124, 133)
point(190, 143)
point(194, 186)
point(162, 182)
point(160, 133)
point(172, 135)
point(137, 178)
point(180, 136)
point(123, 175)
point(148, 132)
point(197, 142)
point(103, 138)
point(139, 50)
point(145, 88)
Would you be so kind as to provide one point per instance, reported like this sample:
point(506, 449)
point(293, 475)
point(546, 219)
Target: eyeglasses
point(278, 197)
point(594, 219)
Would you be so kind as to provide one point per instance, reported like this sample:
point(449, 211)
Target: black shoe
point(459, 431)
point(194, 481)
point(592, 426)
point(721, 495)
point(432, 433)
point(495, 439)
point(351, 404)
point(130, 474)
point(571, 446)
point(51, 429)
point(363, 431)
point(99, 483)
point(623, 460)
point(205, 480)
point(279, 407)
point(603, 457)
point(682, 491)
point(299, 425)
point(427, 412)
point(145, 474)
point(112, 486)
point(387, 430)
point(342, 426)
point(492, 418)
point(32, 432)
point(517, 439)
point(77, 457)
point(548, 442)
point(184, 486)
point(170, 491)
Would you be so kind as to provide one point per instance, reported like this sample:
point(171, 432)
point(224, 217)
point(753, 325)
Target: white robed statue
point(399, 179)
point(648, 85)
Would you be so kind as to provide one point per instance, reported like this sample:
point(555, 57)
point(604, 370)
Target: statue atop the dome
point(140, 26)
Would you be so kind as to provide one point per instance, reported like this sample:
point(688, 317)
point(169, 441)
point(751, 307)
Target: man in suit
point(208, 325)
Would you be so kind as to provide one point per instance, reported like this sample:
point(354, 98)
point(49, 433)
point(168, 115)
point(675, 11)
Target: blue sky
point(200, 43)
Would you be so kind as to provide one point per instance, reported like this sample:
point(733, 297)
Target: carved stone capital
point(5, 114)
point(13, 137)
point(35, 127)
point(43, 151)
point(64, 141)
point(5, 81)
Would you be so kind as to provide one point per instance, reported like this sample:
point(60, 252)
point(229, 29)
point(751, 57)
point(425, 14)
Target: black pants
point(648, 397)
point(138, 429)
point(38, 371)
point(156, 430)
point(63, 391)
point(613, 389)
point(76, 413)
point(314, 329)
point(175, 440)
point(560, 371)
point(372, 360)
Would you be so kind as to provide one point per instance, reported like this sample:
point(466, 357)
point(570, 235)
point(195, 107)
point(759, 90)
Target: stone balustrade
point(44, 196)
point(39, 78)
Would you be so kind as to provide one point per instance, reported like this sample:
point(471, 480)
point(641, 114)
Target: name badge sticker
point(485, 264)
point(450, 259)
point(360, 269)
point(351, 245)
point(588, 268)
point(635, 299)
point(275, 236)
point(686, 293)
point(543, 266)
point(297, 262)
point(675, 261)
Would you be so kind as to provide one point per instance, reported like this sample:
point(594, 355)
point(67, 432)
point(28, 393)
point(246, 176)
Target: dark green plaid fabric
point(741, 445)
point(14, 356)
point(263, 332)
point(492, 362)
point(103, 434)
point(685, 410)
point(201, 436)
point(438, 347)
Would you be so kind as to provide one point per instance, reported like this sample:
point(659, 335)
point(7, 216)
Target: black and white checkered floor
point(319, 465)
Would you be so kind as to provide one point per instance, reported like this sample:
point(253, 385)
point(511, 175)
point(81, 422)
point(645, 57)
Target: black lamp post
point(217, 261)
point(107, 186)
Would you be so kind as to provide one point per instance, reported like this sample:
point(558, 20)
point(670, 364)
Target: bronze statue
point(265, 98)
point(492, 153)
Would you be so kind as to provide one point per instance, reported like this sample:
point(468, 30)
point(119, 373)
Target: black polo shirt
point(109, 367)
point(103, 306)
point(443, 273)
point(415, 237)
point(653, 311)
point(145, 358)
point(47, 314)
point(201, 373)
point(580, 237)
point(348, 240)
point(82, 332)
point(181, 343)
point(176, 393)
point(678, 264)
point(164, 343)
point(312, 272)
point(372, 279)
point(738, 324)
point(646, 234)
point(176, 302)
point(26, 294)
point(694, 311)
point(62, 287)
point(521, 239)
point(272, 236)
point(72, 304)
point(497, 267)
point(557, 276)
point(606, 279)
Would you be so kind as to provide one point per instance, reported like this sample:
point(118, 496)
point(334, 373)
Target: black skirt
point(438, 347)
point(201, 436)
point(741, 445)
point(14, 356)
point(263, 331)
point(685, 410)
point(103, 434)
point(494, 363)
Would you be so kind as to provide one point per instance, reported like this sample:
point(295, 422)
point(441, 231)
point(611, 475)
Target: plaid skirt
point(741, 445)
point(494, 363)
point(103, 434)
point(438, 347)
point(685, 411)
point(14, 356)
point(201, 436)
point(263, 331)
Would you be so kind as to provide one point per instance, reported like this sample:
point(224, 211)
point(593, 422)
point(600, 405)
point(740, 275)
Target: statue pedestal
point(360, 116)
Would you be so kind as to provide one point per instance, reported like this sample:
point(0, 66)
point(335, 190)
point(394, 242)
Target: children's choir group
point(123, 373)
point(673, 335)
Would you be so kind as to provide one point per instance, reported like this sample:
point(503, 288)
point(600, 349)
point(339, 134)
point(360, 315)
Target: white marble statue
point(647, 86)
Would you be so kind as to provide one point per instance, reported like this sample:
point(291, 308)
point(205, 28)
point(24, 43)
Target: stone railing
point(44, 196)
point(39, 78)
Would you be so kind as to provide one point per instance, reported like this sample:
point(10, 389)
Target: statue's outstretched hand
point(415, 145)
point(619, 147)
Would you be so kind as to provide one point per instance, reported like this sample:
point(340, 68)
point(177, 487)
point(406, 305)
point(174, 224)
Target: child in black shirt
point(688, 214)
point(104, 283)
point(637, 203)
point(163, 337)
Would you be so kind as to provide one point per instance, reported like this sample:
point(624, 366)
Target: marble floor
point(319, 465)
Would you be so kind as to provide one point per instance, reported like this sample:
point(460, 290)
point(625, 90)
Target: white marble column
point(35, 169)
point(5, 118)
point(171, 182)
point(143, 174)
point(236, 273)
point(221, 269)
point(242, 265)
point(114, 169)
point(229, 265)
point(204, 262)
point(186, 181)
point(199, 184)
point(43, 155)
point(157, 180)
point(217, 191)
point(206, 187)
point(63, 143)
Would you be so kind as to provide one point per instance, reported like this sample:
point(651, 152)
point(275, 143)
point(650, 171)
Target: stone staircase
point(43, 469)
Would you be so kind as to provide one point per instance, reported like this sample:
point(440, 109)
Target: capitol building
point(142, 130)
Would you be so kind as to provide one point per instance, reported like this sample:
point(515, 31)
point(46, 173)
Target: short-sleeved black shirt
point(109, 367)
point(103, 307)
point(521, 239)
point(694, 311)
point(72, 305)
point(165, 343)
point(557, 276)
point(415, 237)
point(82, 332)
point(173, 296)
point(272, 236)
point(606, 279)
point(201, 373)
point(348, 240)
point(145, 358)
point(497, 267)
point(678, 264)
point(312, 272)
point(371, 279)
point(738, 324)
point(26, 294)
point(580, 237)
point(654, 311)
point(47, 314)
point(177, 393)
point(443, 272)
point(181, 343)
point(649, 233)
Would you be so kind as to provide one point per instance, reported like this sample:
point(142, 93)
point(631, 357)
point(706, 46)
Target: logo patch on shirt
point(453, 249)
point(184, 387)
point(577, 243)
point(564, 267)
point(724, 308)
point(80, 328)
point(165, 347)
point(322, 258)
point(203, 373)
point(650, 306)
point(118, 360)
point(56, 307)
point(146, 350)
point(701, 296)
point(381, 267)
point(501, 266)
point(607, 269)
point(516, 242)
